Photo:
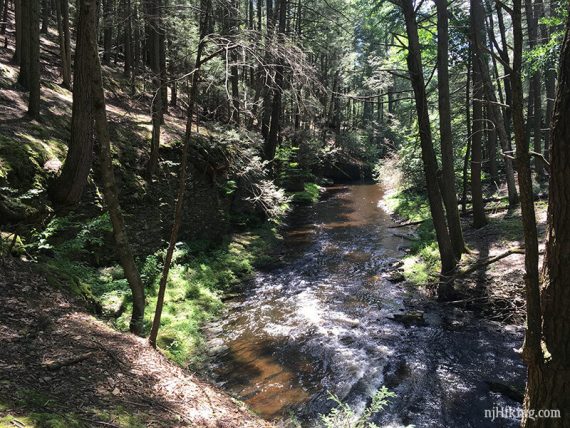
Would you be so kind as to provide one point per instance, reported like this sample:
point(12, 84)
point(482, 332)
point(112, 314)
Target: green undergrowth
point(199, 277)
point(421, 264)
point(309, 195)
point(35, 408)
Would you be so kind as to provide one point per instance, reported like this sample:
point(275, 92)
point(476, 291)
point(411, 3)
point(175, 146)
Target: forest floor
point(489, 279)
point(61, 367)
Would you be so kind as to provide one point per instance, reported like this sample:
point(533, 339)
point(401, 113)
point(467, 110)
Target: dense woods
point(154, 154)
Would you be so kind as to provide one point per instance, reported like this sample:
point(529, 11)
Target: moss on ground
point(199, 276)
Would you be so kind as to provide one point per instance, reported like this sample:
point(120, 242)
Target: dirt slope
point(59, 366)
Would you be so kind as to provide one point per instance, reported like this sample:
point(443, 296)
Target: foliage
point(343, 416)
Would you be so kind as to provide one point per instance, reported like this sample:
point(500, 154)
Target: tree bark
point(24, 55)
point(34, 60)
point(477, 33)
point(448, 173)
point(68, 187)
point(448, 261)
point(88, 20)
point(548, 385)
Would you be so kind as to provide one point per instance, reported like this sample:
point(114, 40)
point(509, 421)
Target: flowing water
point(327, 320)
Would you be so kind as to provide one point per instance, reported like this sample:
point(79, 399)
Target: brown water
point(324, 322)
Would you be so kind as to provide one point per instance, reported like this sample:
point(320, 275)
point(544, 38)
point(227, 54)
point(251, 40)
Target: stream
point(328, 320)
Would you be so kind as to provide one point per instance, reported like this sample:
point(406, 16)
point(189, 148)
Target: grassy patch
point(408, 206)
point(34, 408)
point(422, 264)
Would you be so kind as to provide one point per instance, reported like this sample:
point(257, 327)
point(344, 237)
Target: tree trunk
point(62, 12)
point(128, 39)
point(415, 68)
point(68, 187)
point(273, 136)
point(153, 10)
point(204, 16)
point(46, 12)
point(88, 26)
point(477, 33)
point(492, 146)
point(550, 88)
point(469, 132)
point(34, 60)
point(532, 346)
point(478, 45)
point(107, 30)
point(448, 173)
point(17, 58)
point(548, 385)
point(534, 119)
point(25, 40)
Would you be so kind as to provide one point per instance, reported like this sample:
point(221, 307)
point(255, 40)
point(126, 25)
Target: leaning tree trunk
point(448, 261)
point(88, 17)
point(448, 172)
point(548, 385)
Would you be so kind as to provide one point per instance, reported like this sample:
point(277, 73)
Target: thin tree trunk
point(477, 33)
point(532, 347)
point(34, 60)
point(107, 30)
point(62, 12)
point(415, 68)
point(448, 173)
point(156, 107)
point(534, 119)
point(469, 135)
point(128, 39)
point(204, 16)
point(272, 138)
point(46, 12)
point(17, 58)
